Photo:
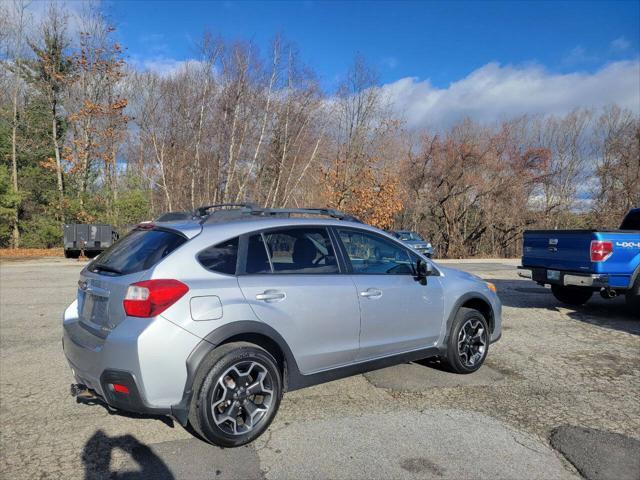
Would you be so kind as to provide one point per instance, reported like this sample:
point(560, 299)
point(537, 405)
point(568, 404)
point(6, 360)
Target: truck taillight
point(601, 250)
point(152, 297)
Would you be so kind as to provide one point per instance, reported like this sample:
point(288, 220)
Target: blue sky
point(441, 41)
point(438, 62)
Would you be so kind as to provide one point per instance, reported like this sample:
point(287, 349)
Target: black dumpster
point(88, 238)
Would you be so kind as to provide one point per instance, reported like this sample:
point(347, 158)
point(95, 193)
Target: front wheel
point(574, 296)
point(239, 395)
point(468, 342)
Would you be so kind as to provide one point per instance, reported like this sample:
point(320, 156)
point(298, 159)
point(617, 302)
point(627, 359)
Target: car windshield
point(410, 237)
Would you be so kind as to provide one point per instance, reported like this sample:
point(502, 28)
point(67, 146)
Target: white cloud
point(75, 12)
point(579, 56)
point(163, 66)
point(494, 92)
point(620, 44)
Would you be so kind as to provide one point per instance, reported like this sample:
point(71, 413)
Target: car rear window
point(220, 258)
point(139, 250)
point(631, 221)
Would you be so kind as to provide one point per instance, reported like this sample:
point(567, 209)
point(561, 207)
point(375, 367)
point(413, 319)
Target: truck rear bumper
point(557, 277)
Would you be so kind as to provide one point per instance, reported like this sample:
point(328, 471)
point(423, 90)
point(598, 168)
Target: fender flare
point(220, 335)
point(634, 276)
point(456, 307)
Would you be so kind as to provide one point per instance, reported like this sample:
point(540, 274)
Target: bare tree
point(617, 171)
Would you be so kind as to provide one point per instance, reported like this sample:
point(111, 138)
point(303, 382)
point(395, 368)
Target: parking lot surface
point(554, 367)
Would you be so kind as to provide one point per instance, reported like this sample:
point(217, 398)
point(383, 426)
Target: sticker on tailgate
point(628, 244)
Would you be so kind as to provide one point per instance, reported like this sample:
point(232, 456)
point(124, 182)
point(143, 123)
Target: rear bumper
point(128, 401)
point(148, 356)
point(546, 276)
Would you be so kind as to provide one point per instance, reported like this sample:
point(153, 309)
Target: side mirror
point(423, 269)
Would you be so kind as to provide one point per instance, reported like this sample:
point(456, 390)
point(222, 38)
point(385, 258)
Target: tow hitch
point(82, 393)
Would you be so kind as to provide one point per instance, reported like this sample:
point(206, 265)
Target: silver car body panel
point(400, 316)
point(323, 318)
point(318, 316)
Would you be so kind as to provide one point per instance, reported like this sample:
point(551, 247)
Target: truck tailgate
point(567, 250)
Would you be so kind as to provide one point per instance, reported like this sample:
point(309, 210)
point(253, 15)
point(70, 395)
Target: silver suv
point(211, 318)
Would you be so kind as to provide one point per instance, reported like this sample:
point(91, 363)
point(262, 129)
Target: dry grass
point(31, 252)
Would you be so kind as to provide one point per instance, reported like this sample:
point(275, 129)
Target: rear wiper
point(106, 268)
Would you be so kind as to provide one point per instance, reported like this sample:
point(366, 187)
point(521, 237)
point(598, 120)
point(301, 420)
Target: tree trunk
point(14, 168)
point(56, 146)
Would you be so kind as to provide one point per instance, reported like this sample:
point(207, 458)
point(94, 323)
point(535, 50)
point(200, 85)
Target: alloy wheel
point(472, 342)
point(242, 397)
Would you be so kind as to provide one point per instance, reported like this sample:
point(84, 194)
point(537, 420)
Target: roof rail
point(253, 209)
point(329, 212)
point(202, 211)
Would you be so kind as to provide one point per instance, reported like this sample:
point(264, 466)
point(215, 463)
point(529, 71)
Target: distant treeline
point(84, 137)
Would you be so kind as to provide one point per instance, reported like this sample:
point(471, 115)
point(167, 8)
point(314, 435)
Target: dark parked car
point(415, 241)
point(91, 239)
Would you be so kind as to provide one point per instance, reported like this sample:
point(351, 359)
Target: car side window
point(375, 255)
point(220, 258)
point(292, 250)
point(257, 258)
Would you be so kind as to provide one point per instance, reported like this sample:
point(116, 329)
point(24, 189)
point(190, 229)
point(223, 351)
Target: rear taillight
point(152, 297)
point(601, 250)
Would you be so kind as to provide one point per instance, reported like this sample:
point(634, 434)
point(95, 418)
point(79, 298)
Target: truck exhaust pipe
point(608, 293)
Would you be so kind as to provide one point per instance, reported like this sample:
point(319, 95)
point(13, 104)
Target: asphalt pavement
point(554, 367)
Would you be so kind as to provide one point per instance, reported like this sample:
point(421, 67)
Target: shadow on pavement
point(97, 452)
point(612, 314)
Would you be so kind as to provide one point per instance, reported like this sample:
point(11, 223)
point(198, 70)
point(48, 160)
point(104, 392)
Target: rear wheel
point(574, 296)
point(239, 395)
point(71, 253)
point(632, 298)
point(468, 342)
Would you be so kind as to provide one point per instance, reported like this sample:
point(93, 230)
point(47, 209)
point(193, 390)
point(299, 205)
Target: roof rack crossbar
point(202, 211)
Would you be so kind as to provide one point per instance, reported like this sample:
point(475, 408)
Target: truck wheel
point(468, 342)
point(71, 253)
point(238, 396)
point(632, 298)
point(574, 296)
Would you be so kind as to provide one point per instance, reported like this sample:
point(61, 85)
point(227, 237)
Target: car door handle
point(270, 296)
point(371, 293)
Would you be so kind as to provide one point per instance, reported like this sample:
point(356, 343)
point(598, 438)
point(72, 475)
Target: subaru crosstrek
point(210, 318)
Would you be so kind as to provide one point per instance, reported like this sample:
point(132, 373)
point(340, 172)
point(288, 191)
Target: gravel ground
point(553, 367)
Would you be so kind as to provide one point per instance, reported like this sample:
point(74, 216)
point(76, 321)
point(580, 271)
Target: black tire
point(458, 349)
point(210, 380)
point(574, 296)
point(72, 254)
point(632, 298)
